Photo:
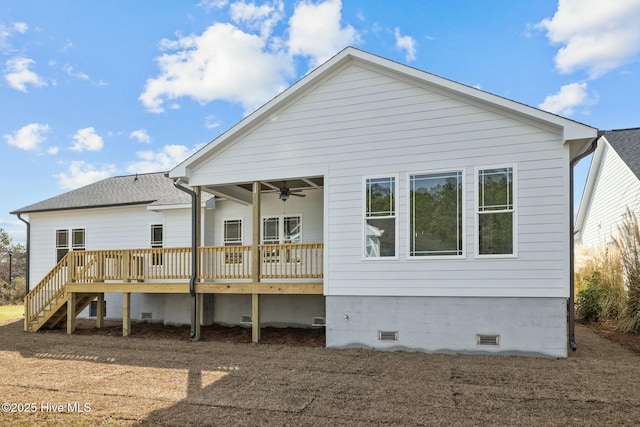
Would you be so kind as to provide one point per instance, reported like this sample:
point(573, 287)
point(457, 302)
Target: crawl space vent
point(246, 319)
point(488, 340)
point(318, 321)
point(147, 316)
point(387, 335)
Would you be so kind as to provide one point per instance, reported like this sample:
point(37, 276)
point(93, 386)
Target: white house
point(612, 187)
point(398, 208)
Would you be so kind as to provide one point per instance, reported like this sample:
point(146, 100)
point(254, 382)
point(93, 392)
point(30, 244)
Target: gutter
point(194, 252)
point(572, 284)
point(26, 272)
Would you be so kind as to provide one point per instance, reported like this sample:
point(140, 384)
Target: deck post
point(71, 313)
point(126, 314)
point(198, 235)
point(255, 263)
point(100, 311)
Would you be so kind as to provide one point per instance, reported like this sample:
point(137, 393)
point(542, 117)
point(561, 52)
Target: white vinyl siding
point(363, 121)
point(615, 189)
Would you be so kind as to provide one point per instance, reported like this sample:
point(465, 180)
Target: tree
point(12, 287)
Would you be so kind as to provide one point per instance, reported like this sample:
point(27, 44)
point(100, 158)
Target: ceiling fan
point(285, 192)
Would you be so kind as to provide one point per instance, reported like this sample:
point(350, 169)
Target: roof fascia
point(571, 130)
point(589, 187)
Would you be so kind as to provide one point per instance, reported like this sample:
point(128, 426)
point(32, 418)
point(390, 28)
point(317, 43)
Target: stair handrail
point(47, 290)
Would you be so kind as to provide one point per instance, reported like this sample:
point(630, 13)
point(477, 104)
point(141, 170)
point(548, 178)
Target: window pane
point(380, 237)
point(380, 197)
point(77, 238)
point(292, 232)
point(156, 235)
point(495, 189)
point(270, 233)
point(62, 239)
point(496, 233)
point(233, 232)
point(436, 214)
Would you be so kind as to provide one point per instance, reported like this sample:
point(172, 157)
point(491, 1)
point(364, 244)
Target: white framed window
point(157, 241)
point(380, 222)
point(496, 211)
point(436, 214)
point(64, 244)
point(232, 232)
point(282, 229)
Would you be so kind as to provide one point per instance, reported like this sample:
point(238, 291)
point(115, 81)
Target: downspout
point(26, 272)
point(194, 252)
point(571, 302)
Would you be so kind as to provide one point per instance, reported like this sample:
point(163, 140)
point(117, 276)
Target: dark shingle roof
point(151, 188)
point(626, 142)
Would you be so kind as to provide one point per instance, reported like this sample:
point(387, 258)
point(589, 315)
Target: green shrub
point(589, 300)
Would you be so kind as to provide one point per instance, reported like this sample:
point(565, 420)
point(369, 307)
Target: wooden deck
point(276, 269)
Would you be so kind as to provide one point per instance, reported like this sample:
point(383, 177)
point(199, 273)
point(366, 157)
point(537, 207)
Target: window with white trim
point(496, 211)
point(63, 245)
point(233, 237)
point(435, 210)
point(380, 217)
point(282, 229)
point(157, 241)
point(232, 232)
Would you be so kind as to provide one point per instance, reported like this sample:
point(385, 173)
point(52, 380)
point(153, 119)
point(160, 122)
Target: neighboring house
point(612, 187)
point(397, 208)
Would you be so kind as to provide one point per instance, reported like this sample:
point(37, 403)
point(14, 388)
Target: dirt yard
point(157, 377)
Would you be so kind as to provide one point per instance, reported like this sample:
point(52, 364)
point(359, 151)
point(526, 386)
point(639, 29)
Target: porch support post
point(71, 313)
point(255, 263)
point(100, 311)
point(126, 314)
point(198, 235)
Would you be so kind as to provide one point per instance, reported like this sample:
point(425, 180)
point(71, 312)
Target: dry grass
point(158, 381)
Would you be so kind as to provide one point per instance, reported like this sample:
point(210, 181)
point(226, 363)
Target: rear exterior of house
point(446, 223)
point(397, 208)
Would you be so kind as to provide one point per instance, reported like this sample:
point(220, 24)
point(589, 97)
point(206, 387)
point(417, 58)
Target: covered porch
point(290, 265)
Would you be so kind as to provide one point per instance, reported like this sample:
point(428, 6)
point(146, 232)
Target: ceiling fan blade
point(297, 195)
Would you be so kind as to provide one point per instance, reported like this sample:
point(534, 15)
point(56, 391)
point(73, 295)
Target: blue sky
point(95, 89)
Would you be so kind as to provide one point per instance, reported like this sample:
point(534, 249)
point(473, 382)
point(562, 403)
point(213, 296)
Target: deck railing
point(278, 261)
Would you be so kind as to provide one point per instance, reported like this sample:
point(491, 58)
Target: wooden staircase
point(46, 304)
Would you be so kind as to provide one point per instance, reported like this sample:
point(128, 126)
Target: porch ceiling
point(241, 191)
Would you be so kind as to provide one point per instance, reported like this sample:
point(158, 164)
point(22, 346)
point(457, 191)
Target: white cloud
point(141, 135)
point(87, 140)
point(20, 27)
point(596, 35)
point(29, 137)
point(315, 30)
point(262, 18)
point(157, 161)
point(80, 174)
point(69, 70)
point(211, 122)
point(53, 150)
point(207, 5)
point(223, 63)
point(407, 44)
point(18, 74)
point(567, 99)
point(7, 32)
